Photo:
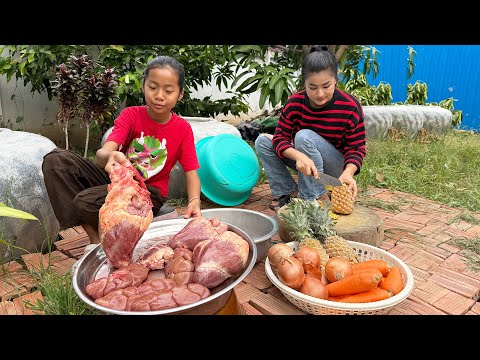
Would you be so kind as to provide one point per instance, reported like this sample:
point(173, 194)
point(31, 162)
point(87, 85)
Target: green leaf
point(246, 48)
point(279, 87)
point(11, 212)
point(273, 81)
point(263, 96)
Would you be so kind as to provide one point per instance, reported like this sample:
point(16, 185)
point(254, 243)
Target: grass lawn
point(446, 169)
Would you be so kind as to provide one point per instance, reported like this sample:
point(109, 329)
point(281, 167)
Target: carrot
point(374, 263)
point(371, 295)
point(377, 271)
point(393, 281)
point(354, 283)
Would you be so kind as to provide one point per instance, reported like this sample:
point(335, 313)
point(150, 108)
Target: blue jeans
point(325, 156)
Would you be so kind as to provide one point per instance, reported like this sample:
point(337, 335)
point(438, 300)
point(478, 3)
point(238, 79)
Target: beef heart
point(125, 215)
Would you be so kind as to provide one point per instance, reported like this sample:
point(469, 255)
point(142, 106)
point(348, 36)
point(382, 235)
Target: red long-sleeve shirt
point(340, 122)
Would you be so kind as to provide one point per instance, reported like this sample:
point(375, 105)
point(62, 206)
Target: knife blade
point(328, 179)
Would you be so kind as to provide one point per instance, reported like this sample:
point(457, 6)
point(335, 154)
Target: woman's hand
point(306, 166)
point(347, 178)
point(115, 156)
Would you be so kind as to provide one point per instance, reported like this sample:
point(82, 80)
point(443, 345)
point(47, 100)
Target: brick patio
point(418, 233)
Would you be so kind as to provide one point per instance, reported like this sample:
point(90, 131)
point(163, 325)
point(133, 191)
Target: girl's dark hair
point(319, 59)
point(162, 61)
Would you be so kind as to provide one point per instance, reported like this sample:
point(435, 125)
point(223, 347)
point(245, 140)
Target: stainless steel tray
point(94, 265)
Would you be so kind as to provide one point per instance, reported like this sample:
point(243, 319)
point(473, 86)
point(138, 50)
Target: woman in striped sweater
point(320, 129)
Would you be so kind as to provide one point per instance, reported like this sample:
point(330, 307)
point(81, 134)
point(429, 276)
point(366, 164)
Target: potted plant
point(98, 98)
point(66, 87)
point(84, 91)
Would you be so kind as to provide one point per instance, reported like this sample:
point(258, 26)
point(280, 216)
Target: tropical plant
point(67, 87)
point(417, 93)
point(98, 99)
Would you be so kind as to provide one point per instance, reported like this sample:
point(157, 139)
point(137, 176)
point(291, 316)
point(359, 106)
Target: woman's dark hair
point(162, 61)
point(319, 59)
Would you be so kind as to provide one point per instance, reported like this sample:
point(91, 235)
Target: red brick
point(449, 247)
point(474, 310)
point(460, 278)
point(429, 291)
point(67, 233)
point(23, 279)
point(35, 262)
point(434, 250)
point(423, 260)
point(431, 228)
point(274, 291)
point(475, 230)
point(419, 275)
point(449, 283)
point(22, 306)
point(245, 292)
point(421, 219)
point(247, 309)
point(403, 252)
point(10, 267)
point(382, 213)
point(454, 304)
point(461, 225)
point(401, 224)
point(405, 216)
point(458, 233)
point(7, 308)
point(442, 237)
point(411, 307)
point(455, 262)
point(387, 245)
point(9, 289)
point(258, 278)
point(270, 305)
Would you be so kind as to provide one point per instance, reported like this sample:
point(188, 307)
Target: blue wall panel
point(448, 71)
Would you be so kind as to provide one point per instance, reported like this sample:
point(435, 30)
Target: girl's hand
point(348, 179)
point(193, 209)
point(115, 156)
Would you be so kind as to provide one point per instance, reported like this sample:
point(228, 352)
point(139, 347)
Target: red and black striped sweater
point(340, 122)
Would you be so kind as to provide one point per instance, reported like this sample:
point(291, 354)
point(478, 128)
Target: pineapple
point(342, 201)
point(298, 224)
point(323, 229)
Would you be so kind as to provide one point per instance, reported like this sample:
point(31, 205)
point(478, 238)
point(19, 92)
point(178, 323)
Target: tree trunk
point(340, 51)
point(65, 130)
point(86, 140)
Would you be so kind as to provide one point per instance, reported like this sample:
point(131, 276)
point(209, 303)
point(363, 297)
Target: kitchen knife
point(328, 180)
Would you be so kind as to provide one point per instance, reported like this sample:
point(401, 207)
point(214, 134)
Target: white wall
point(40, 114)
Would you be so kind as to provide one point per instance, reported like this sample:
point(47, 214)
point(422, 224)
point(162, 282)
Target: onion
point(290, 272)
point(308, 256)
point(314, 287)
point(277, 252)
point(337, 268)
point(313, 271)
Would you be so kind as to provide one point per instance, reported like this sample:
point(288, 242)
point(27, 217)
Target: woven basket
point(317, 306)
